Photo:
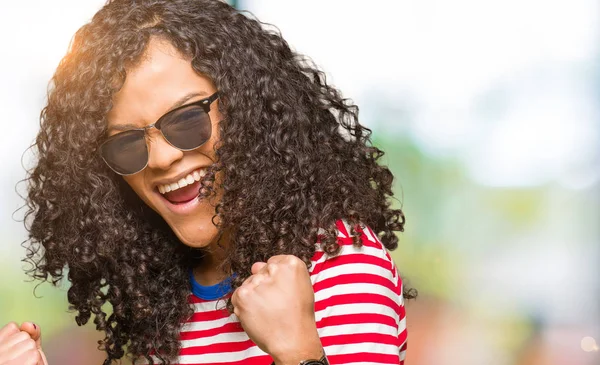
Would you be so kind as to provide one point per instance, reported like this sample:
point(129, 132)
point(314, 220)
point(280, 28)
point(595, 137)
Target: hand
point(21, 345)
point(276, 309)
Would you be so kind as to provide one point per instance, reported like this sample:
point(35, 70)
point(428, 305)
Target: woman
point(204, 180)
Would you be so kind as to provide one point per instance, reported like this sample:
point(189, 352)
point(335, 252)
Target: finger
point(43, 356)
point(31, 357)
point(236, 311)
point(236, 303)
point(235, 299)
point(290, 261)
point(257, 266)
point(17, 349)
point(277, 259)
point(247, 281)
point(257, 279)
point(13, 340)
point(34, 331)
point(9, 329)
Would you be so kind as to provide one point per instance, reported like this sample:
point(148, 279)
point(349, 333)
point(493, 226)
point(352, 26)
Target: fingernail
point(34, 326)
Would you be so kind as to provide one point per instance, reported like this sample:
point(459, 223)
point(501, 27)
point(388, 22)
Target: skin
point(150, 90)
point(276, 308)
point(275, 305)
point(266, 301)
point(21, 345)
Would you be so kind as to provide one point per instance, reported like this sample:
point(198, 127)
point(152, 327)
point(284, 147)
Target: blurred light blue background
point(489, 112)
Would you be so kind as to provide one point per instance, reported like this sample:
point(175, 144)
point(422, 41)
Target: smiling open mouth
point(183, 195)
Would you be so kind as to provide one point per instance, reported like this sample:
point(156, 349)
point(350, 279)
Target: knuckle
point(293, 261)
point(274, 259)
point(22, 336)
point(30, 344)
point(12, 327)
point(243, 292)
point(272, 268)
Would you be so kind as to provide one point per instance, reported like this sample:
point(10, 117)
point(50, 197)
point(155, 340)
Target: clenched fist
point(21, 345)
point(276, 309)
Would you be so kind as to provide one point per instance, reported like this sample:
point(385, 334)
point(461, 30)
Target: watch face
point(323, 361)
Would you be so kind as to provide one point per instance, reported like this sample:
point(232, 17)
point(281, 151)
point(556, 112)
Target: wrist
point(297, 359)
point(309, 349)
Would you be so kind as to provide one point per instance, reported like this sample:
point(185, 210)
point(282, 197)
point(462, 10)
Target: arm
point(359, 306)
point(351, 305)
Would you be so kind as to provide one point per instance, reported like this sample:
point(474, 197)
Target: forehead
point(162, 77)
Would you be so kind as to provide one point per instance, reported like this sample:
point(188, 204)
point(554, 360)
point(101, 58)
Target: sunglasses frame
point(204, 103)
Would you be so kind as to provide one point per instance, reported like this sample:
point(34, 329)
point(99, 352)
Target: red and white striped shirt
point(359, 310)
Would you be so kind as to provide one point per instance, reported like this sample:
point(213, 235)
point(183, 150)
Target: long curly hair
point(293, 157)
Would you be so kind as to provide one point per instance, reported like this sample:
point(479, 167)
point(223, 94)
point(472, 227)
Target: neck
point(210, 270)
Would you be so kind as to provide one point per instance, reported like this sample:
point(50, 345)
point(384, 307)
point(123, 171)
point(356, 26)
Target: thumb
point(257, 266)
point(34, 331)
point(36, 334)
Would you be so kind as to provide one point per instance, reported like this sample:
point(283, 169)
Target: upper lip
point(176, 178)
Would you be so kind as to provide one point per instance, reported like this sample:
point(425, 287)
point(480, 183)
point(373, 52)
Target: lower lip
point(181, 208)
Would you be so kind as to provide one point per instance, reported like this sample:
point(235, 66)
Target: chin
point(196, 235)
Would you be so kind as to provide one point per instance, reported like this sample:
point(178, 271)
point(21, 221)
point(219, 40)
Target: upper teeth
point(185, 181)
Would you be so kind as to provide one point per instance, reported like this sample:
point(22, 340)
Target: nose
point(161, 155)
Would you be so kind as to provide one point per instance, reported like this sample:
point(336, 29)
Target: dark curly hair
point(292, 154)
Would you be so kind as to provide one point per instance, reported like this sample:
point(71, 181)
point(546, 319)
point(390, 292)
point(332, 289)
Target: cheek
point(215, 119)
point(136, 182)
point(132, 182)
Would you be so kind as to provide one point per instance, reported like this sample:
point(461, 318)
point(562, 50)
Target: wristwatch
point(322, 361)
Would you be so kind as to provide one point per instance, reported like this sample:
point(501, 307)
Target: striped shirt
point(359, 311)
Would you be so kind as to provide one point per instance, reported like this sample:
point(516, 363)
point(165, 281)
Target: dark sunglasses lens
point(187, 128)
point(126, 152)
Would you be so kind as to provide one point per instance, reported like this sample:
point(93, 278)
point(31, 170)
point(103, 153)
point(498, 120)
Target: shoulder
point(371, 263)
point(371, 252)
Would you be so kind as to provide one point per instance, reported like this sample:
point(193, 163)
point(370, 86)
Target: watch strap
point(322, 361)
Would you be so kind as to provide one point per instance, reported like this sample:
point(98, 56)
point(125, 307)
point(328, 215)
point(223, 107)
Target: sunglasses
point(186, 128)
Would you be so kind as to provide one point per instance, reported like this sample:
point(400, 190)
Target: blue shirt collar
point(210, 292)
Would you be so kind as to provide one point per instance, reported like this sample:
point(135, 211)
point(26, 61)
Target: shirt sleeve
point(359, 306)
